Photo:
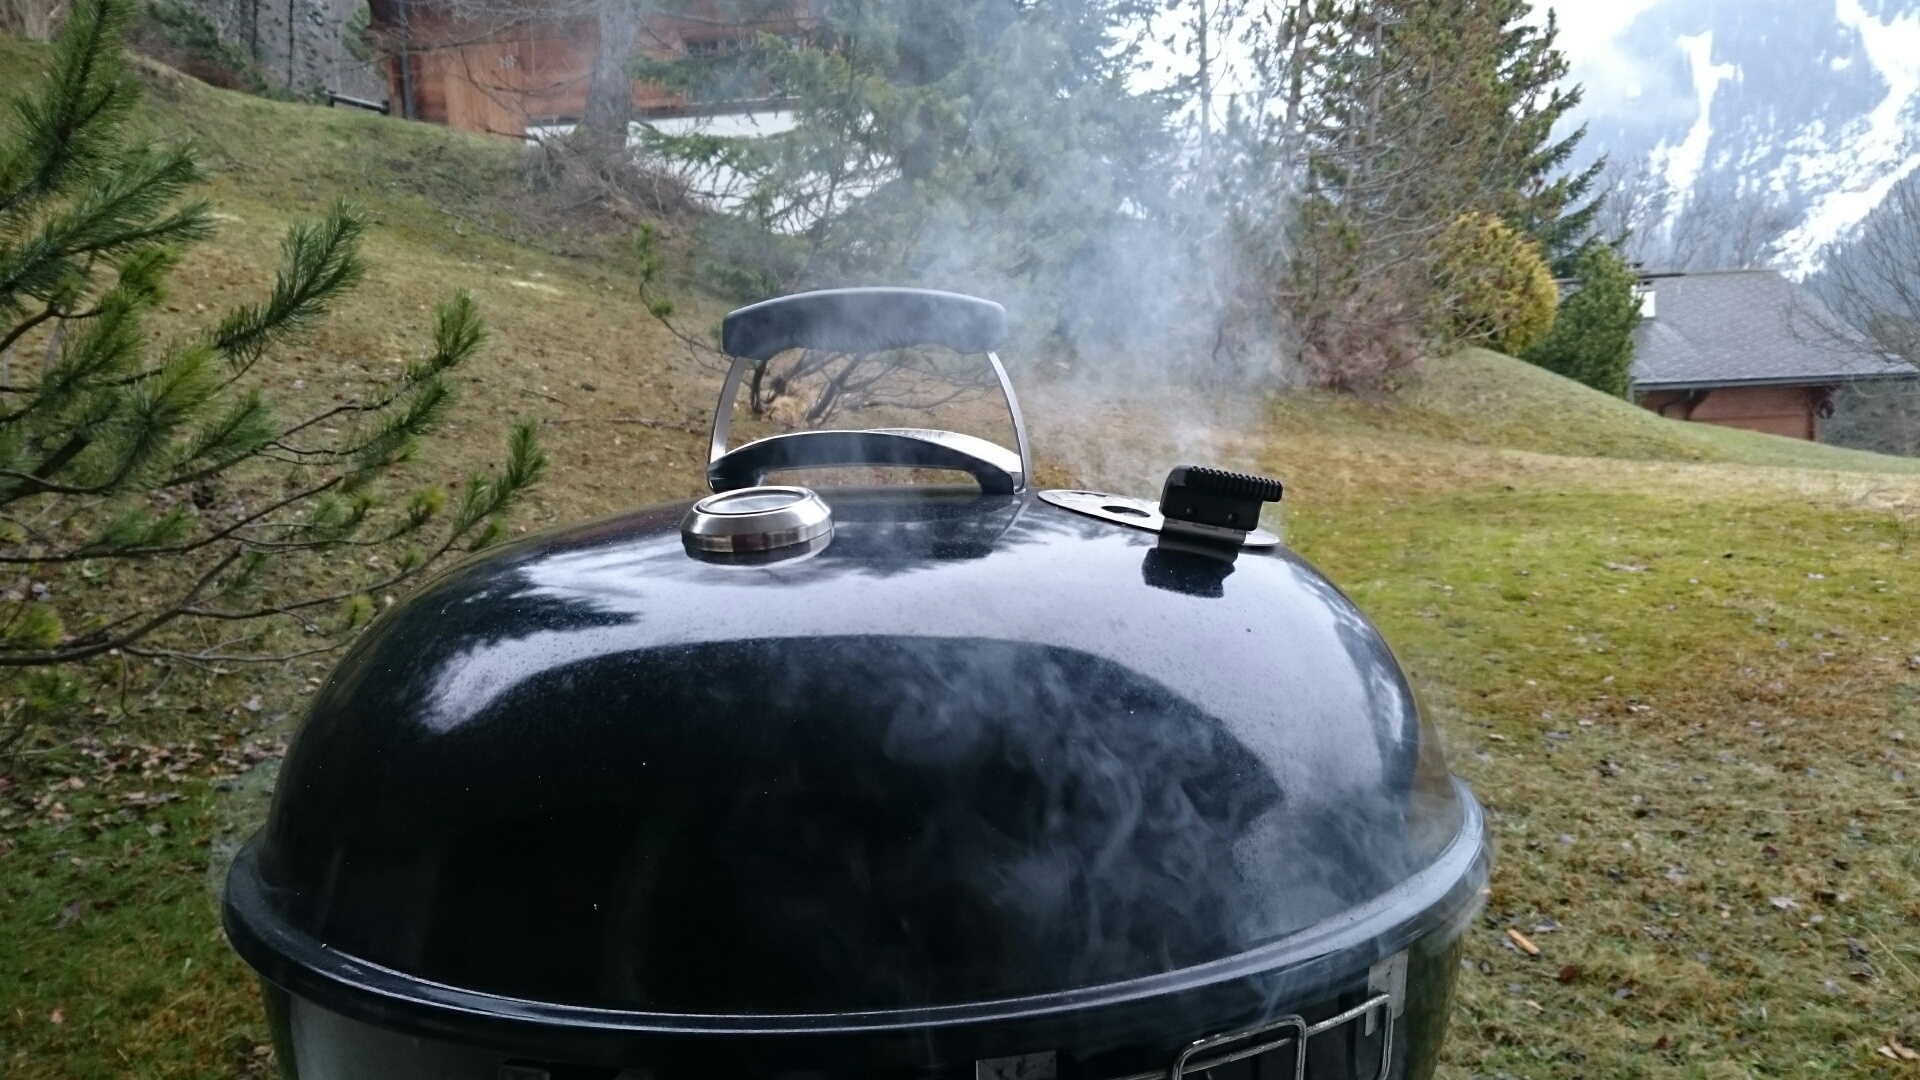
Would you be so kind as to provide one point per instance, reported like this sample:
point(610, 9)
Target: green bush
point(1592, 341)
point(1494, 285)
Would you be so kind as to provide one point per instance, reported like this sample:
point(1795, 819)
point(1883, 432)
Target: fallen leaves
point(112, 782)
point(1894, 1050)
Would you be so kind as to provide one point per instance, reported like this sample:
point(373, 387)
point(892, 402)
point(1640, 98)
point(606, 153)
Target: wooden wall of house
point(467, 77)
point(1792, 411)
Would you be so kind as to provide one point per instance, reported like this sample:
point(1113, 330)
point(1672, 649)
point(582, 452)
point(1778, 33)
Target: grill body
point(981, 788)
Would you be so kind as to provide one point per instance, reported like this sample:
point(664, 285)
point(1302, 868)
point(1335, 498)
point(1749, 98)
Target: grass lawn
point(1688, 696)
point(1680, 665)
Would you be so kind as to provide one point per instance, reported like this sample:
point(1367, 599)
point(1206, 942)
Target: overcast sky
point(1588, 30)
point(1589, 26)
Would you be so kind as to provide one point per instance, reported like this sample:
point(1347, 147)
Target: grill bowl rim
point(1441, 897)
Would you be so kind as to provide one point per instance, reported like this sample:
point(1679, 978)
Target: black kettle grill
point(910, 782)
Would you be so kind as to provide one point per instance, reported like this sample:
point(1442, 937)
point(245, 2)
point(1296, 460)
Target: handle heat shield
point(862, 321)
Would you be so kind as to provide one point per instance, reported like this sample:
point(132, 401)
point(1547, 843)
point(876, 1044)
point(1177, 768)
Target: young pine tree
point(1592, 340)
point(150, 484)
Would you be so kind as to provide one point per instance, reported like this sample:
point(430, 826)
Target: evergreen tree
point(1592, 340)
point(1494, 285)
point(980, 143)
point(148, 483)
point(1401, 116)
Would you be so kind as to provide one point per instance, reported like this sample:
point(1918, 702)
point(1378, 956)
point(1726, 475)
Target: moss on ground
point(1678, 663)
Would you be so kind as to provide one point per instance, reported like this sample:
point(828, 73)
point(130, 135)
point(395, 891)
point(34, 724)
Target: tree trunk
point(610, 94)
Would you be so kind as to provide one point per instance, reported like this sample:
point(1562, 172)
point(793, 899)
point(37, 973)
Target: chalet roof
point(1748, 328)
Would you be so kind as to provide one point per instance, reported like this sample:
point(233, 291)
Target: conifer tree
point(981, 145)
point(1592, 339)
point(1400, 117)
point(150, 484)
point(978, 142)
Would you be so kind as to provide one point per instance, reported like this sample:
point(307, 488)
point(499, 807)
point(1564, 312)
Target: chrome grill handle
point(1191, 1060)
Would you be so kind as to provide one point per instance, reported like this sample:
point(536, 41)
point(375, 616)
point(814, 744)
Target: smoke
point(1031, 155)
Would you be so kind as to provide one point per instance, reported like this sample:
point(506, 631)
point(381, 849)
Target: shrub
point(1592, 341)
point(1880, 416)
point(1493, 285)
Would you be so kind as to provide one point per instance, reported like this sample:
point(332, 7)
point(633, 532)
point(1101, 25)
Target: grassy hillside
point(1681, 665)
point(1482, 398)
point(1687, 689)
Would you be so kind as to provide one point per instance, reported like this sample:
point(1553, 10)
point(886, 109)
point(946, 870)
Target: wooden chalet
point(506, 66)
point(1747, 349)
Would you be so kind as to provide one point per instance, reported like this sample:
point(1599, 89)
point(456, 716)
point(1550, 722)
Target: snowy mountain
point(1754, 130)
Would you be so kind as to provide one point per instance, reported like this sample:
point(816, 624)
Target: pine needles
point(145, 483)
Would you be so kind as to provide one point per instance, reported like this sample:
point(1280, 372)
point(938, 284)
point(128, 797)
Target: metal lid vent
point(755, 519)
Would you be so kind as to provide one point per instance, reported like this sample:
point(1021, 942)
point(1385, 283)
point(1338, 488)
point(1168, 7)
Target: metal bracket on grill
point(1135, 513)
point(1388, 982)
point(1381, 1004)
point(1185, 1063)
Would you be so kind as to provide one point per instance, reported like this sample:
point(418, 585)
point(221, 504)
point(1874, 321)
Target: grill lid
point(978, 747)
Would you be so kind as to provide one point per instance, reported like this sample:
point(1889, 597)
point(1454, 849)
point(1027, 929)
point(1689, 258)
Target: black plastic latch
point(1215, 504)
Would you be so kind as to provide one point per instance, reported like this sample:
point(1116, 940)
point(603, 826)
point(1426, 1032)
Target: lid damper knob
point(1213, 504)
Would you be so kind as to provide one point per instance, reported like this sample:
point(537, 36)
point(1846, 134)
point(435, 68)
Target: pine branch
point(120, 214)
point(75, 122)
point(319, 261)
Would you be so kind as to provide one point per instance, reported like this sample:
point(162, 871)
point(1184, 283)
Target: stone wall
point(299, 44)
